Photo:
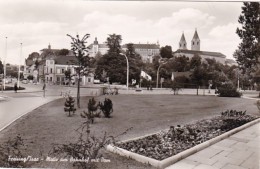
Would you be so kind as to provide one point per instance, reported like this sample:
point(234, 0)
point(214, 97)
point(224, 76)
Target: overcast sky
point(38, 23)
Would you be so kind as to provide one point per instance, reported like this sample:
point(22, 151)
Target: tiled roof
point(196, 36)
point(65, 60)
point(144, 46)
point(215, 54)
point(182, 38)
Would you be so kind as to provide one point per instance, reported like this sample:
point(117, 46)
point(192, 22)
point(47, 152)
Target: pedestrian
point(15, 87)
point(44, 86)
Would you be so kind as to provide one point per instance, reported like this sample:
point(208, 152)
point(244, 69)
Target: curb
point(171, 160)
point(26, 112)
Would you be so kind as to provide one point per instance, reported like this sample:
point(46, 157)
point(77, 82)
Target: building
point(146, 51)
point(52, 66)
point(195, 50)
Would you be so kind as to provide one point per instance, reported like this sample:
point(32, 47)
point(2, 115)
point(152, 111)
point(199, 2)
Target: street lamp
point(158, 73)
point(18, 81)
point(127, 73)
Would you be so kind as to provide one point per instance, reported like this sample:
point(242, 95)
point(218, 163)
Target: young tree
point(248, 52)
point(69, 105)
point(83, 60)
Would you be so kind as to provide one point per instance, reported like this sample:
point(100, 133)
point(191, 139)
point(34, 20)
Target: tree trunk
point(78, 92)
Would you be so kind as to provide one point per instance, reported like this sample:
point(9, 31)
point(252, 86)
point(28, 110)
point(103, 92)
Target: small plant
point(92, 110)
point(12, 148)
point(106, 107)
point(87, 147)
point(69, 105)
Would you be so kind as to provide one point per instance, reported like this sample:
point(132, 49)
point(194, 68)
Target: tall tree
point(1, 67)
point(166, 52)
point(113, 43)
point(135, 63)
point(112, 62)
point(78, 46)
point(248, 52)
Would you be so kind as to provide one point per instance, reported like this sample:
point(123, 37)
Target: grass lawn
point(147, 114)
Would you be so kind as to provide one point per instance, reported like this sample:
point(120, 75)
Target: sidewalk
point(239, 151)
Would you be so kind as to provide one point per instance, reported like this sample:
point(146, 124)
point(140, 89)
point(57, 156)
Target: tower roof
point(182, 38)
point(196, 36)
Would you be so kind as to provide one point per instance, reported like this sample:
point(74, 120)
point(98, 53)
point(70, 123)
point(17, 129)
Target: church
point(195, 50)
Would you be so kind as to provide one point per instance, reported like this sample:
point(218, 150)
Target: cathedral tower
point(195, 42)
point(182, 43)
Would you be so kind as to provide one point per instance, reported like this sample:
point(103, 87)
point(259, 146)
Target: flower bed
point(180, 138)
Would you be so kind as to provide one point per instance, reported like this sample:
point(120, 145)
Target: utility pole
point(18, 81)
point(5, 60)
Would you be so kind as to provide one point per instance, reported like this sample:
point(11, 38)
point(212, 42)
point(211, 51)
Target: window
point(51, 79)
point(89, 80)
point(58, 79)
point(47, 79)
point(51, 70)
point(180, 45)
point(197, 43)
point(62, 70)
point(193, 42)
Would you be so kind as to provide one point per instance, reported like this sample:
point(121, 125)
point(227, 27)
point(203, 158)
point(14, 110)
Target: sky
point(36, 24)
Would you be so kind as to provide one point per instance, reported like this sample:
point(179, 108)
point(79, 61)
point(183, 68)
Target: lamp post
point(4, 61)
point(158, 73)
point(127, 73)
point(18, 81)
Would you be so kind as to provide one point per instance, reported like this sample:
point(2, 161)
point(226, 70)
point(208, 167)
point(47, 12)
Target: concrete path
point(13, 108)
point(239, 151)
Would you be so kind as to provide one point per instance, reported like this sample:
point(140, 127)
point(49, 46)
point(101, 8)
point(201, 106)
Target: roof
point(196, 36)
point(65, 60)
point(182, 38)
point(215, 54)
point(99, 45)
point(144, 46)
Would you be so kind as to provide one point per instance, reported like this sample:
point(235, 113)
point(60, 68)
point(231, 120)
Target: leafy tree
point(69, 105)
point(112, 62)
point(180, 64)
point(113, 43)
point(63, 52)
point(248, 52)
point(195, 61)
point(135, 63)
point(1, 67)
point(166, 52)
point(68, 76)
point(83, 60)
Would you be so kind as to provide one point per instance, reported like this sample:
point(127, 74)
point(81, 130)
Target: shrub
point(228, 90)
point(175, 87)
point(92, 110)
point(13, 148)
point(69, 105)
point(86, 147)
point(106, 107)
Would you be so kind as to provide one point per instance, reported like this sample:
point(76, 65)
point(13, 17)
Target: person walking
point(15, 87)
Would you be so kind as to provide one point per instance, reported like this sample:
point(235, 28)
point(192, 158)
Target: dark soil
point(180, 138)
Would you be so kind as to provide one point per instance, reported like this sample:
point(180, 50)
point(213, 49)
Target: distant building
point(53, 66)
point(195, 50)
point(231, 62)
point(146, 51)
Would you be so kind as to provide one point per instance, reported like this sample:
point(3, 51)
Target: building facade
point(146, 51)
point(195, 50)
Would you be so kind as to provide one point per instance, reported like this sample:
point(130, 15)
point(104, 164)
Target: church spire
point(182, 43)
point(195, 42)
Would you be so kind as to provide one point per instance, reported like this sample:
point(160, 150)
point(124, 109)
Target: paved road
point(14, 105)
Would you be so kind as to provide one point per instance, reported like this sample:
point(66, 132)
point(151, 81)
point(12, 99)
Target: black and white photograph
point(101, 84)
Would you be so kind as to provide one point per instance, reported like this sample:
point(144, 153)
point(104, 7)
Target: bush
point(92, 111)
point(228, 90)
point(106, 107)
point(13, 147)
point(69, 105)
point(175, 87)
